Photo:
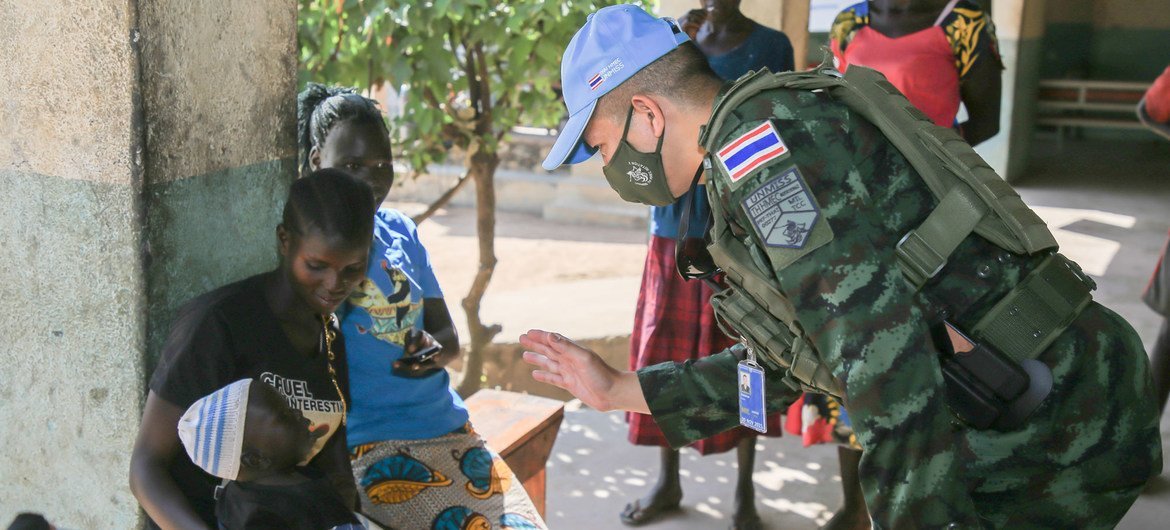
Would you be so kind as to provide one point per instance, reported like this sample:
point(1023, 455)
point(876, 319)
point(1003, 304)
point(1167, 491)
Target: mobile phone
point(423, 355)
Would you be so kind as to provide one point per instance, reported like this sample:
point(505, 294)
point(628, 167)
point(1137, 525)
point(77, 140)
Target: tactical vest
point(971, 198)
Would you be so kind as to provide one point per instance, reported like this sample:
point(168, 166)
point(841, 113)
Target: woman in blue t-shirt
point(416, 459)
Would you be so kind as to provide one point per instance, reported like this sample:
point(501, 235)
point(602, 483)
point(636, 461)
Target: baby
point(247, 434)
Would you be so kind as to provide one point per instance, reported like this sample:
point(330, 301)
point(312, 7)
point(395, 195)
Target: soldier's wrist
point(626, 393)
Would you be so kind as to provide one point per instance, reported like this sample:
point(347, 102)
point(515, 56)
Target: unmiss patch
point(783, 211)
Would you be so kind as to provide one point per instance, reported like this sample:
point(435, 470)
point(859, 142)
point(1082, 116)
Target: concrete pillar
point(794, 24)
point(218, 86)
point(71, 276)
point(145, 148)
point(1019, 25)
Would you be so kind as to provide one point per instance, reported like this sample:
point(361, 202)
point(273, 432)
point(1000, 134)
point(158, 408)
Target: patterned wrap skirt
point(674, 322)
point(1157, 294)
point(452, 482)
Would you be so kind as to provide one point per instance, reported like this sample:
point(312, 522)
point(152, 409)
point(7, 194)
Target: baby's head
point(245, 431)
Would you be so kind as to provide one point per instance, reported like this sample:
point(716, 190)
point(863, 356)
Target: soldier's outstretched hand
point(563, 363)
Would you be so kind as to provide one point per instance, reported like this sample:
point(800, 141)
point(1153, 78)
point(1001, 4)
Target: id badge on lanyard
point(751, 394)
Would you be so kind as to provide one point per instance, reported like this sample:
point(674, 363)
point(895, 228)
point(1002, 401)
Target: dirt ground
point(579, 280)
point(531, 251)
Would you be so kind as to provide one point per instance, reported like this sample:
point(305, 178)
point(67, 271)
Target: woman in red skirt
point(674, 320)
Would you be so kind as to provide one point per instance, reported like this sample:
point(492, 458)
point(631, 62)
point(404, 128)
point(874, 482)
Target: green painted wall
point(206, 231)
point(1068, 48)
point(1019, 118)
point(1137, 54)
point(1077, 50)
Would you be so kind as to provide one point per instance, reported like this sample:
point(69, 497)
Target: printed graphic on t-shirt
point(324, 415)
point(392, 315)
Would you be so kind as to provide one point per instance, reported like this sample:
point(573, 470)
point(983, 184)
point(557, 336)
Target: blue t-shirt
point(375, 321)
point(664, 220)
point(764, 47)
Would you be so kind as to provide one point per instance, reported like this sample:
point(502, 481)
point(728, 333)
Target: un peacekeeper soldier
point(985, 387)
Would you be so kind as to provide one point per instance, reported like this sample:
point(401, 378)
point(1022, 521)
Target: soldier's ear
point(647, 107)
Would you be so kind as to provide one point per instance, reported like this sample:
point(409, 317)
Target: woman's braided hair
point(332, 203)
point(320, 108)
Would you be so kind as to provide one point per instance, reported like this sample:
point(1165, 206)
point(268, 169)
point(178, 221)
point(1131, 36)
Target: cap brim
point(568, 148)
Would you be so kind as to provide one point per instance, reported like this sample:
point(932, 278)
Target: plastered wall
point(71, 282)
point(145, 152)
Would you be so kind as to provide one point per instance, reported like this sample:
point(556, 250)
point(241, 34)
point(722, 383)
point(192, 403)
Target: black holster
point(988, 390)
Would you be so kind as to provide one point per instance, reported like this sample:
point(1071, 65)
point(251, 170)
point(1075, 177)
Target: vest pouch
point(740, 317)
point(775, 346)
point(770, 341)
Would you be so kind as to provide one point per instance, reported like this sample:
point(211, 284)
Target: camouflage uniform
point(1081, 459)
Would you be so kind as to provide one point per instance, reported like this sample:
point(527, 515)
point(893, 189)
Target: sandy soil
point(531, 251)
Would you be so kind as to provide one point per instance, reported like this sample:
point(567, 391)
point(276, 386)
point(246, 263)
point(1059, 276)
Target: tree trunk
point(481, 167)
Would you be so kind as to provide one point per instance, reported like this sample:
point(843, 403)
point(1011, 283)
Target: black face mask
point(636, 176)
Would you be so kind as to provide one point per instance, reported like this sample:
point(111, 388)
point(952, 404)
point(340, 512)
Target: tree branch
point(371, 45)
point(474, 83)
point(442, 200)
point(485, 95)
point(340, 37)
point(320, 42)
point(507, 93)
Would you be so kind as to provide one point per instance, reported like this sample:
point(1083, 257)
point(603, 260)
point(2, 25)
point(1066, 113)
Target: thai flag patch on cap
point(752, 150)
point(595, 82)
point(607, 72)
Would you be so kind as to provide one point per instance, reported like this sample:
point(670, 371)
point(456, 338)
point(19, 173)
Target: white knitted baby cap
point(212, 429)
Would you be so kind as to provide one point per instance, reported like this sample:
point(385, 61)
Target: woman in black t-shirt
point(271, 327)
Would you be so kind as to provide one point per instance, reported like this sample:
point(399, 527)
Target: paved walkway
point(1109, 205)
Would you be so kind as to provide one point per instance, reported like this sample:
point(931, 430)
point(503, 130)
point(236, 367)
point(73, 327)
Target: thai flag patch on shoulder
point(752, 150)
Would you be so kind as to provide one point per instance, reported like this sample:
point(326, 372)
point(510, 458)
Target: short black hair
point(332, 202)
point(682, 75)
point(320, 108)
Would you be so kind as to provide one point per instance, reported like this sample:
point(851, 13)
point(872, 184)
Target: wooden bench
point(522, 428)
point(1071, 103)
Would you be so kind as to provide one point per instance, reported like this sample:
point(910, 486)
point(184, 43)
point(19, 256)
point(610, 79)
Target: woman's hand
point(418, 340)
point(150, 478)
point(580, 371)
point(438, 330)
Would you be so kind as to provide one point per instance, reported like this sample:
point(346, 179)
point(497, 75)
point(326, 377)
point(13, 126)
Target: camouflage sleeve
point(866, 322)
point(692, 400)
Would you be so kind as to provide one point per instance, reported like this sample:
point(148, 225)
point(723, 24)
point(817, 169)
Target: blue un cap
point(614, 44)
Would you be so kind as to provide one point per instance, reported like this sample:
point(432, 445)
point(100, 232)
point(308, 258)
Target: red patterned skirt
point(674, 322)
